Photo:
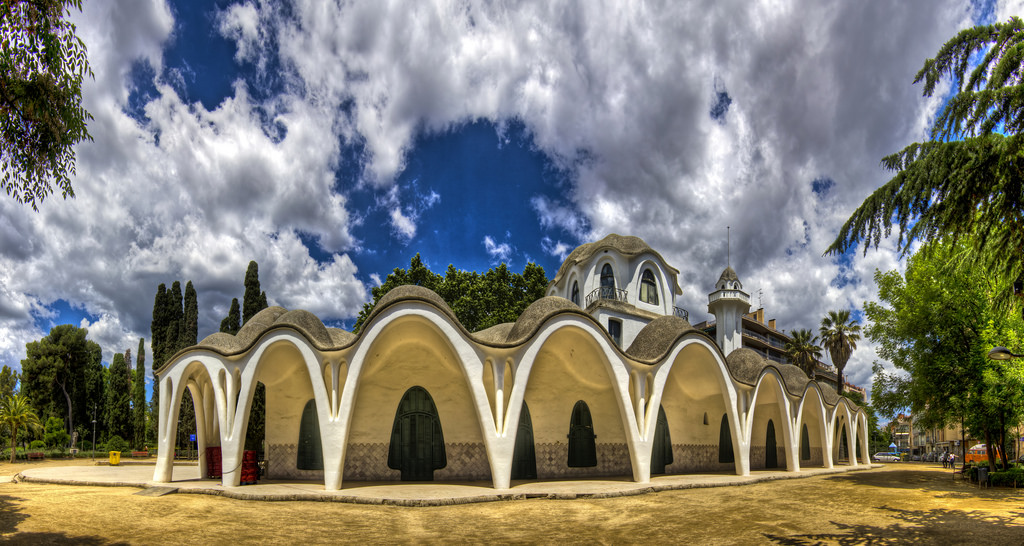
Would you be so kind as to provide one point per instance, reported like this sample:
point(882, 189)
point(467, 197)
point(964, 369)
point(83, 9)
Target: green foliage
point(479, 301)
point(8, 381)
point(190, 333)
point(1014, 477)
point(37, 445)
point(253, 300)
point(936, 325)
point(54, 434)
point(42, 66)
point(62, 375)
point(116, 443)
point(232, 323)
point(118, 404)
point(16, 413)
point(139, 396)
point(839, 335)
point(966, 182)
point(802, 350)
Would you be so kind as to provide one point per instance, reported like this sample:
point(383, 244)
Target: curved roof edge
point(627, 245)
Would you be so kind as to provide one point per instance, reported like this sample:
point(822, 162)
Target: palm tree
point(802, 351)
point(15, 412)
point(839, 334)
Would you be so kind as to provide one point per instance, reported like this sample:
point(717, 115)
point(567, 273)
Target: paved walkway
point(187, 480)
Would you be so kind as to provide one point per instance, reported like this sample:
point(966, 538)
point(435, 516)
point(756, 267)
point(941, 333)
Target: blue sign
point(191, 437)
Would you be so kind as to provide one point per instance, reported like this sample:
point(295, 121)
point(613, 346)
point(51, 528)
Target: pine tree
point(139, 397)
point(230, 324)
point(252, 302)
point(191, 322)
point(965, 181)
point(118, 409)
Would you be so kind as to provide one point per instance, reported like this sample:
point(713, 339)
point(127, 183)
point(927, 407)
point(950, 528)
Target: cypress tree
point(252, 302)
point(158, 327)
point(230, 324)
point(175, 332)
point(139, 397)
point(191, 322)
point(118, 403)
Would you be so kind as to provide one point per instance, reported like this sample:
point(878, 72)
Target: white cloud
point(402, 225)
point(499, 252)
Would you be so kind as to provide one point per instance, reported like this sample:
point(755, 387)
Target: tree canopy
point(479, 301)
point(968, 179)
point(936, 323)
point(802, 351)
point(63, 375)
point(42, 67)
point(839, 335)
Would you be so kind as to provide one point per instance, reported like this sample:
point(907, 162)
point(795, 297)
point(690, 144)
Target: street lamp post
point(1002, 353)
point(93, 438)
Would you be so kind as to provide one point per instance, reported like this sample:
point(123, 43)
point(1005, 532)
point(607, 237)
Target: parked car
point(886, 457)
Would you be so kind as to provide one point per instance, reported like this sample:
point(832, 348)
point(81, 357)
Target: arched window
point(615, 330)
point(771, 452)
point(725, 454)
point(417, 444)
point(648, 288)
point(576, 292)
point(582, 440)
point(607, 282)
point(805, 444)
point(310, 453)
point(661, 451)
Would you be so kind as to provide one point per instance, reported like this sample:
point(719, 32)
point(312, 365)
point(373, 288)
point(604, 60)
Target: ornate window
point(576, 292)
point(648, 288)
point(607, 282)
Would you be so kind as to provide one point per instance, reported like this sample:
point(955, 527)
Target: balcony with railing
point(734, 294)
point(608, 293)
point(681, 313)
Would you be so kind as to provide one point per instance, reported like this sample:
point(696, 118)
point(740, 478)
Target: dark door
point(582, 440)
point(725, 454)
point(524, 458)
point(417, 444)
point(842, 444)
point(805, 445)
point(310, 453)
point(771, 453)
point(661, 454)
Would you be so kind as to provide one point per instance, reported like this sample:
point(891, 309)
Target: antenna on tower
point(728, 251)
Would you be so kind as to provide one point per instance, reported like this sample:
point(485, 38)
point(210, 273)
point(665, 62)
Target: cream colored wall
point(412, 353)
point(767, 407)
point(289, 388)
point(570, 368)
point(691, 390)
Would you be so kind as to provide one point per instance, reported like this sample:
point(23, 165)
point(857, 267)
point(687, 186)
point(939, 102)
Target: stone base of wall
point(757, 457)
point(815, 460)
point(281, 460)
point(553, 462)
point(688, 458)
point(369, 462)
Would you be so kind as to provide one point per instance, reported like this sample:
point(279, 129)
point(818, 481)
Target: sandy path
point(899, 503)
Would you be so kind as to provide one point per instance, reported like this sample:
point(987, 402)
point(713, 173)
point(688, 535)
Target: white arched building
point(602, 377)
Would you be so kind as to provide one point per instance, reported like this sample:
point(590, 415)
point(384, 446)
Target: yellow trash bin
point(115, 458)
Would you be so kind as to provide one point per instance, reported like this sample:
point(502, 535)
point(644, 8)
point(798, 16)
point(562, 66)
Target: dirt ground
point(903, 502)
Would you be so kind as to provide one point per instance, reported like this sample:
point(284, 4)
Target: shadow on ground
point(920, 526)
point(11, 516)
point(927, 479)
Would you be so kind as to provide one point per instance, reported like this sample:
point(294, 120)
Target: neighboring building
point(603, 377)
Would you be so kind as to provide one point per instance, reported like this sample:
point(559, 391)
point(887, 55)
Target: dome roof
point(656, 338)
point(537, 313)
point(728, 275)
point(626, 245)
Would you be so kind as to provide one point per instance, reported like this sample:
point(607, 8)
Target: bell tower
point(728, 303)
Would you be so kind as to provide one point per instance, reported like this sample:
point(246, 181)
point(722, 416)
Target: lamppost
point(1002, 353)
point(94, 431)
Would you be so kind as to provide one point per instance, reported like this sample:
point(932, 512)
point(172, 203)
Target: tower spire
point(728, 250)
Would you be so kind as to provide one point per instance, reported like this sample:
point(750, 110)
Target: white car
point(885, 457)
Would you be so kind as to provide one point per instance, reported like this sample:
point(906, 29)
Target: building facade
point(603, 377)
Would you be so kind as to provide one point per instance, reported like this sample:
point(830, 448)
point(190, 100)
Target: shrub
point(54, 433)
point(116, 443)
point(37, 445)
point(1013, 477)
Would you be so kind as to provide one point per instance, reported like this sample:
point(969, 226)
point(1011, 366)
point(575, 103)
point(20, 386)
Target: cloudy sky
point(332, 142)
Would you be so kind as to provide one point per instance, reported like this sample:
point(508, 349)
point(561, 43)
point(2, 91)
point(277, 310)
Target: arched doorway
point(417, 443)
point(582, 440)
point(524, 456)
point(310, 454)
point(725, 453)
point(661, 454)
point(771, 452)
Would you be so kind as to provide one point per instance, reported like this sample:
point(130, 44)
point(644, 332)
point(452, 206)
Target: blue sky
point(332, 142)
